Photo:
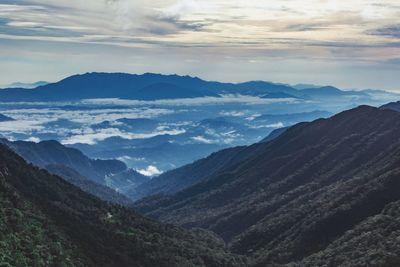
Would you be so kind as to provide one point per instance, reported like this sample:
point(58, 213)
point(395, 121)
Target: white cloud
point(127, 159)
point(150, 171)
point(273, 125)
point(33, 118)
point(232, 113)
point(202, 139)
point(198, 101)
point(186, 7)
point(233, 39)
point(33, 139)
point(91, 137)
point(21, 126)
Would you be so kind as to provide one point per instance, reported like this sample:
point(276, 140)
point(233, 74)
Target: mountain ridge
point(299, 198)
point(133, 86)
point(64, 161)
point(180, 178)
point(45, 221)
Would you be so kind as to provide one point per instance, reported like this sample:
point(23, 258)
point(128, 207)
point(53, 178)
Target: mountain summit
point(150, 86)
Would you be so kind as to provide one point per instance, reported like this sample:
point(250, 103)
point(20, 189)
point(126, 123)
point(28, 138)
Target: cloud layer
point(211, 38)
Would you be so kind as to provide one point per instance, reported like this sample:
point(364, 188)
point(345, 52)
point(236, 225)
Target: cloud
point(33, 139)
point(224, 37)
point(183, 7)
point(202, 139)
point(89, 115)
point(392, 31)
point(74, 125)
point(20, 126)
point(91, 137)
point(197, 101)
point(232, 113)
point(127, 159)
point(149, 19)
point(183, 22)
point(273, 125)
point(150, 171)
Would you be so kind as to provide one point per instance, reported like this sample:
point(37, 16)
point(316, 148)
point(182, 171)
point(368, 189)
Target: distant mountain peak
point(131, 86)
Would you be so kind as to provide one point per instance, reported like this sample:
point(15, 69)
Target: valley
point(199, 133)
point(222, 180)
point(154, 134)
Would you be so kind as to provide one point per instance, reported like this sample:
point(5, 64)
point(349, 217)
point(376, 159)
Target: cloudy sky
point(351, 44)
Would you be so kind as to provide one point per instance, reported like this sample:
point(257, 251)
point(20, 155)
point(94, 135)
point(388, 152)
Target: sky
point(349, 44)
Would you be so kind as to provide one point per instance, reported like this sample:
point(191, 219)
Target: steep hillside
point(99, 171)
point(274, 134)
point(322, 192)
point(47, 222)
point(101, 191)
point(181, 178)
point(186, 176)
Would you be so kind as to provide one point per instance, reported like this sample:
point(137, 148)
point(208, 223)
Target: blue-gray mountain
point(151, 86)
point(179, 119)
point(102, 178)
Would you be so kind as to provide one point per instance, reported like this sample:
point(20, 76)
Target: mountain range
point(163, 122)
point(103, 178)
point(150, 86)
point(322, 193)
point(177, 179)
point(317, 193)
point(46, 221)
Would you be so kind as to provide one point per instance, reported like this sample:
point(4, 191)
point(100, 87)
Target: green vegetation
point(45, 221)
point(28, 238)
point(324, 193)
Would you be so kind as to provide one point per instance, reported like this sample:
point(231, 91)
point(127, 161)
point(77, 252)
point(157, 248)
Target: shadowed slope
point(300, 193)
point(48, 222)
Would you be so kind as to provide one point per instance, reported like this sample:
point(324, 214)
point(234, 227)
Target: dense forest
point(323, 193)
point(99, 177)
point(46, 221)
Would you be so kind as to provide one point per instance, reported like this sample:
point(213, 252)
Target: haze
point(350, 44)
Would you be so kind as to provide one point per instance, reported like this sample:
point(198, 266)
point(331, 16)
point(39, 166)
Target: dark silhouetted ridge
point(46, 221)
point(321, 193)
point(91, 175)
